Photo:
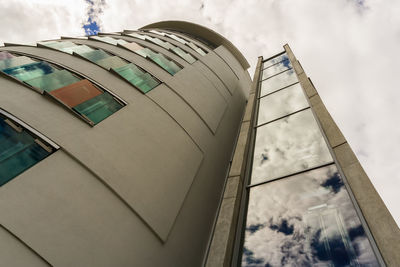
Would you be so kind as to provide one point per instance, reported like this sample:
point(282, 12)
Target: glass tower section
point(299, 211)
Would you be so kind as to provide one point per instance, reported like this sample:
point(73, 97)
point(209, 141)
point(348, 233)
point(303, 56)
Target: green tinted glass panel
point(112, 62)
point(164, 63)
point(184, 55)
point(53, 81)
point(18, 152)
point(30, 71)
point(15, 61)
point(99, 107)
point(137, 36)
point(79, 49)
point(201, 51)
point(144, 81)
point(95, 55)
point(129, 71)
point(58, 45)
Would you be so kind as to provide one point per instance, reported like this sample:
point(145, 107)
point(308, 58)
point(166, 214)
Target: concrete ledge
point(306, 84)
point(237, 162)
point(334, 135)
point(249, 108)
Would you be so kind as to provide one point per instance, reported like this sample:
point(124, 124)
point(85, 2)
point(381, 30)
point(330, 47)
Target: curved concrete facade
point(142, 187)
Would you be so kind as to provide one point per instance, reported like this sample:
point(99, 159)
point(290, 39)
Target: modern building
point(156, 148)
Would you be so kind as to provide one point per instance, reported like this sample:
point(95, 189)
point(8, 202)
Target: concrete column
point(221, 249)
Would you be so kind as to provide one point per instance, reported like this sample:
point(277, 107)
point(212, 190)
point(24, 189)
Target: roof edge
point(203, 32)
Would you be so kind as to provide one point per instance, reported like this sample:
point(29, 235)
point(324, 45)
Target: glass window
point(76, 93)
point(30, 71)
point(112, 62)
point(109, 40)
point(196, 48)
point(58, 44)
point(133, 46)
point(78, 49)
point(176, 38)
point(143, 81)
point(277, 59)
point(305, 220)
point(288, 145)
point(52, 81)
point(95, 55)
point(186, 56)
point(275, 69)
point(19, 150)
point(14, 62)
point(5, 55)
point(98, 108)
point(136, 35)
point(281, 103)
point(278, 82)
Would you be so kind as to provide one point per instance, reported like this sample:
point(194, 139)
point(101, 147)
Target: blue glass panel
point(18, 152)
point(30, 71)
point(99, 107)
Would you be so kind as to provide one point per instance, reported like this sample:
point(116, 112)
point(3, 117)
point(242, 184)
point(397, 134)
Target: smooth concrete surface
point(16, 254)
point(379, 220)
point(142, 187)
point(230, 60)
point(222, 243)
point(220, 68)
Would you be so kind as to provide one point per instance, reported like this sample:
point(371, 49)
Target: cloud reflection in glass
point(305, 220)
point(277, 82)
point(281, 103)
point(288, 145)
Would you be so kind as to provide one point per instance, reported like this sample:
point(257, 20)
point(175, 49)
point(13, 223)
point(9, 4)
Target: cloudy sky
point(347, 47)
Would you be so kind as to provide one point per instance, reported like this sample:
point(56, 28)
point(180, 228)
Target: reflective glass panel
point(5, 55)
point(277, 68)
point(58, 45)
point(76, 93)
point(288, 145)
point(109, 40)
point(164, 63)
point(95, 55)
point(305, 220)
point(176, 38)
point(133, 46)
point(15, 61)
point(184, 55)
point(196, 48)
point(30, 71)
point(278, 81)
point(275, 60)
point(18, 152)
point(136, 35)
point(144, 81)
point(157, 32)
point(281, 103)
point(79, 49)
point(53, 81)
point(99, 107)
point(112, 62)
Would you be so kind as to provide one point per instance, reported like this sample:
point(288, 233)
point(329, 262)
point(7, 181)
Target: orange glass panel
point(76, 93)
point(133, 46)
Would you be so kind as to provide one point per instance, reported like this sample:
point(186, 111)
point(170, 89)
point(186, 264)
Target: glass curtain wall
point(299, 211)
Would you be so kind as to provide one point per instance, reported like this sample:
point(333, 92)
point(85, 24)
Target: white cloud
point(348, 50)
